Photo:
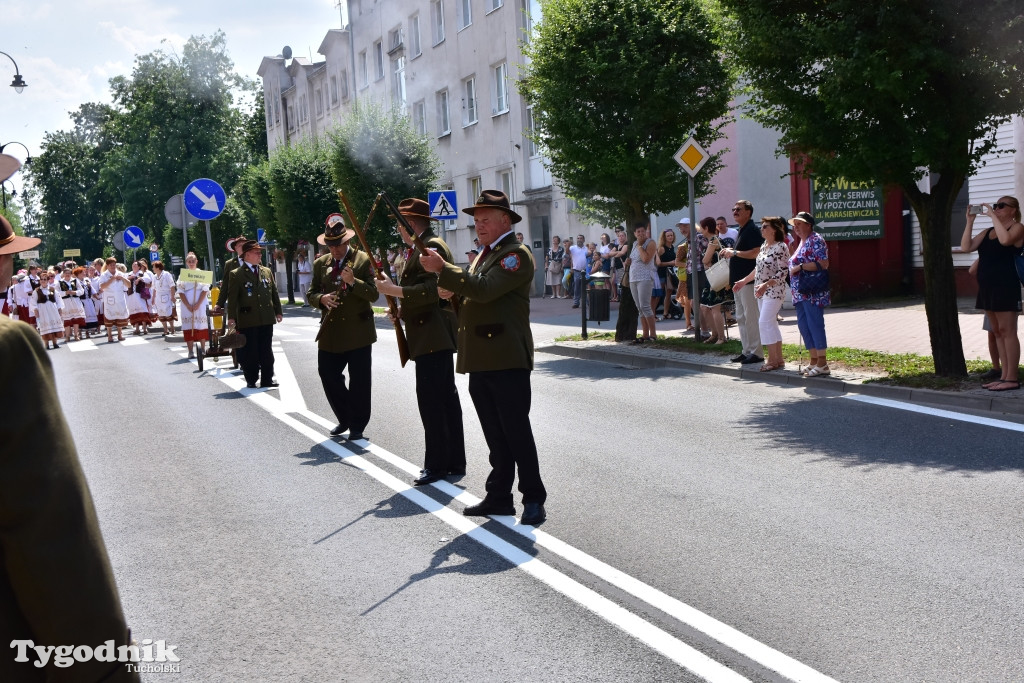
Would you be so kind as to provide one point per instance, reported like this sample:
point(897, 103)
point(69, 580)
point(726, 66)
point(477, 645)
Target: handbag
point(718, 275)
point(1018, 262)
point(555, 266)
point(232, 339)
point(813, 282)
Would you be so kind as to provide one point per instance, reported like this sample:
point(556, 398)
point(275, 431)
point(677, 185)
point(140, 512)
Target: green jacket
point(350, 325)
point(56, 583)
point(230, 265)
point(494, 318)
point(253, 299)
point(429, 320)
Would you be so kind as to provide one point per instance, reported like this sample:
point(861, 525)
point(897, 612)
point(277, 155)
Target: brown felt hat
point(415, 208)
point(11, 243)
point(230, 244)
point(250, 245)
point(335, 233)
point(493, 199)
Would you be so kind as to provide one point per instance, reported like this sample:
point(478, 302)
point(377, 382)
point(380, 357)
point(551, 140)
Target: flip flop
point(997, 386)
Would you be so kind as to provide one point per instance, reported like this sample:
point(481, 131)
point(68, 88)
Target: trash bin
point(599, 296)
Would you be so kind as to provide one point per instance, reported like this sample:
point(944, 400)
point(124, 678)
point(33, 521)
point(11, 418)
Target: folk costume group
point(490, 333)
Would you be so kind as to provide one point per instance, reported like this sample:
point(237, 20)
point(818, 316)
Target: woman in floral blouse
point(811, 255)
point(769, 278)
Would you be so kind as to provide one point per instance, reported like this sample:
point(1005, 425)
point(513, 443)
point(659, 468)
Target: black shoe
point(752, 359)
point(533, 514)
point(485, 508)
point(575, 305)
point(456, 473)
point(742, 358)
point(251, 385)
point(338, 430)
point(355, 436)
point(271, 384)
point(427, 477)
point(992, 374)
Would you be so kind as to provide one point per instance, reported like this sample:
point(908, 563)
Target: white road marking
point(84, 345)
point(133, 341)
point(937, 412)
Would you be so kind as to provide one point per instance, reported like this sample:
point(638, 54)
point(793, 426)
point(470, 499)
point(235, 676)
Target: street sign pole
point(184, 223)
point(209, 246)
point(692, 157)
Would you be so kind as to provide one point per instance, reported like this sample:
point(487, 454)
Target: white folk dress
point(194, 325)
point(48, 311)
point(89, 304)
point(71, 291)
point(163, 296)
point(115, 299)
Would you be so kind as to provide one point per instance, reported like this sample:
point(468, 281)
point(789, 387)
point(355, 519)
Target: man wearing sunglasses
point(742, 259)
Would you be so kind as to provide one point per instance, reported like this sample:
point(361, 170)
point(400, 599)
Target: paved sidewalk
point(892, 327)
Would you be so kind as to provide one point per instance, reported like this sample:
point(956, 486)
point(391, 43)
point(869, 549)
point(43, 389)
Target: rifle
point(403, 343)
point(420, 245)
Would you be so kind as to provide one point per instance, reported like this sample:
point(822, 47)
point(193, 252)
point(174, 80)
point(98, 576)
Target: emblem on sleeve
point(510, 263)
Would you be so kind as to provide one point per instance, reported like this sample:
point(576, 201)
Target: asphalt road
point(701, 527)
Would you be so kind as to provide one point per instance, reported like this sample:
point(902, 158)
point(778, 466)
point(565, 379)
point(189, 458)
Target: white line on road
point(84, 345)
point(937, 412)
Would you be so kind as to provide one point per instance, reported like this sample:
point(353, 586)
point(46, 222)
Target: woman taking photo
point(769, 280)
point(810, 299)
point(642, 272)
point(553, 267)
point(998, 284)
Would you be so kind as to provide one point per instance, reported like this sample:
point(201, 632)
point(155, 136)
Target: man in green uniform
point(230, 264)
point(56, 584)
point(343, 289)
point(430, 329)
point(254, 306)
point(496, 349)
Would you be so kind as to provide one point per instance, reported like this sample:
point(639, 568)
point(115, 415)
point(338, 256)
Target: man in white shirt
point(579, 269)
point(724, 231)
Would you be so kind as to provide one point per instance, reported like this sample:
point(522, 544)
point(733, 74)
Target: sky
point(68, 50)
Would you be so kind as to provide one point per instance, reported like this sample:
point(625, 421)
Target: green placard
point(200, 276)
point(847, 211)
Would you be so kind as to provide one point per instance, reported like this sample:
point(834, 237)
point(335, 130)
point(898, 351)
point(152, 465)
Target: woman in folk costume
point(147, 296)
point(73, 312)
point(45, 306)
point(97, 296)
point(163, 297)
point(138, 307)
point(88, 302)
point(113, 287)
point(194, 298)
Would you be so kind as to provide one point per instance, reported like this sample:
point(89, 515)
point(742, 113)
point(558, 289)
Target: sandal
point(713, 339)
point(1000, 386)
point(818, 371)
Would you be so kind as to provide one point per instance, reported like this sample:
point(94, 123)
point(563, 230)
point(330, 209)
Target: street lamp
point(28, 154)
point(18, 83)
point(3, 191)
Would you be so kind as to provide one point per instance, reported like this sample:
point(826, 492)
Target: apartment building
point(451, 65)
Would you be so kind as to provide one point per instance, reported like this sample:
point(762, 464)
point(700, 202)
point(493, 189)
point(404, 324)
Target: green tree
point(376, 149)
point(616, 87)
point(302, 193)
point(885, 92)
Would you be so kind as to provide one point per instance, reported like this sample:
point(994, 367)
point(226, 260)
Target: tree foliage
point(616, 87)
point(376, 149)
point(885, 92)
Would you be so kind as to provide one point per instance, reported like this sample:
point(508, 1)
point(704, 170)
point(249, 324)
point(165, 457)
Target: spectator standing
point(619, 253)
point(553, 267)
point(665, 259)
point(811, 255)
point(742, 259)
point(305, 271)
point(726, 235)
point(998, 284)
point(769, 281)
point(709, 251)
point(642, 273)
point(578, 254)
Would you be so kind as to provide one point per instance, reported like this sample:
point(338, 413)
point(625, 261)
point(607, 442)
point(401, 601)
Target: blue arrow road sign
point(261, 235)
point(204, 199)
point(133, 237)
point(443, 206)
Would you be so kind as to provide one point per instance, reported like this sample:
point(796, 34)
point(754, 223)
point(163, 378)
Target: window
point(504, 181)
point(289, 117)
point(344, 85)
point(277, 107)
point(444, 124)
point(318, 99)
point(529, 13)
point(396, 40)
point(465, 13)
point(303, 109)
point(378, 60)
point(499, 89)
point(363, 82)
point(531, 146)
point(493, 5)
point(419, 117)
point(398, 82)
point(414, 36)
point(334, 91)
point(475, 187)
point(469, 116)
point(437, 21)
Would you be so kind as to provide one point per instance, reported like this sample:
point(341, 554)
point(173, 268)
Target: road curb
point(930, 397)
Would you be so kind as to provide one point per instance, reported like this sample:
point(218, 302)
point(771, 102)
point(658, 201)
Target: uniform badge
point(510, 263)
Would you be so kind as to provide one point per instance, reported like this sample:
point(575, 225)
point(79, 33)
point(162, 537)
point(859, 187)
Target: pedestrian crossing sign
point(691, 156)
point(443, 206)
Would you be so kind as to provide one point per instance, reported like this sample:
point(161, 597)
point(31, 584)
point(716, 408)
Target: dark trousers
point(441, 413)
point(351, 404)
point(502, 400)
point(257, 356)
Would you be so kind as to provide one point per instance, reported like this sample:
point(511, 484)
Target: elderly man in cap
point(496, 349)
point(57, 582)
point(254, 306)
point(343, 289)
point(430, 329)
point(742, 259)
point(230, 263)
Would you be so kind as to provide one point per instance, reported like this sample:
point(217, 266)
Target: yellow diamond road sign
point(691, 156)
